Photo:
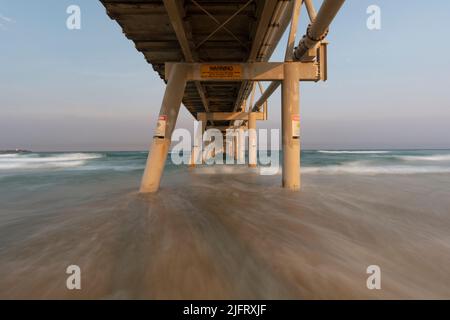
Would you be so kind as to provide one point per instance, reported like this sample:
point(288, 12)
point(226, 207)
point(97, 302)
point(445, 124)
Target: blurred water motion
point(228, 234)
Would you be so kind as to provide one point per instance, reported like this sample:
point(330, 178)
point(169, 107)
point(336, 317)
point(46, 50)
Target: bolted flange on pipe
point(318, 29)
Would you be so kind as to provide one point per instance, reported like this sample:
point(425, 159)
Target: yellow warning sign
point(296, 126)
point(221, 71)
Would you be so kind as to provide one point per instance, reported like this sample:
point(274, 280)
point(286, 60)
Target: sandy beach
point(246, 150)
point(212, 233)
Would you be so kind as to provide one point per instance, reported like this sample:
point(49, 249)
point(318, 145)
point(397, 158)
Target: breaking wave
point(437, 157)
point(8, 155)
point(34, 161)
point(366, 168)
point(352, 152)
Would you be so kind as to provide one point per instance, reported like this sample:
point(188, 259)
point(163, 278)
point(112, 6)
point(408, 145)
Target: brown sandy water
point(230, 235)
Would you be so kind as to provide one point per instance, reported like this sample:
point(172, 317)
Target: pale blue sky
point(91, 90)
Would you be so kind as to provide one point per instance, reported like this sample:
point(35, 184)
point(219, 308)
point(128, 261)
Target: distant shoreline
point(303, 149)
point(15, 151)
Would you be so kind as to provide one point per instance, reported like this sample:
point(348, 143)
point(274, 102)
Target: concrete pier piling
point(166, 124)
point(215, 82)
point(290, 140)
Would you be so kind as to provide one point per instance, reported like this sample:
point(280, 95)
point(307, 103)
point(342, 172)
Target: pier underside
point(213, 55)
point(178, 30)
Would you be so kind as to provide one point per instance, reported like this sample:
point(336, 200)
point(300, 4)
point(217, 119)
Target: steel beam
point(310, 9)
point(272, 24)
point(221, 26)
point(218, 22)
point(228, 116)
point(257, 71)
point(289, 55)
point(266, 95)
point(176, 14)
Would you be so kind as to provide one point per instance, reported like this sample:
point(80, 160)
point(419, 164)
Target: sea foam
point(352, 152)
point(369, 168)
point(34, 161)
point(437, 157)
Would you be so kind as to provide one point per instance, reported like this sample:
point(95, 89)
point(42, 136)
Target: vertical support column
point(197, 150)
point(241, 145)
point(229, 146)
point(290, 120)
point(213, 151)
point(252, 140)
point(236, 144)
point(194, 153)
point(224, 147)
point(168, 115)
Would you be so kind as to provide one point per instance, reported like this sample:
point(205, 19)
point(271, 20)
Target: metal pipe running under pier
point(318, 29)
point(307, 62)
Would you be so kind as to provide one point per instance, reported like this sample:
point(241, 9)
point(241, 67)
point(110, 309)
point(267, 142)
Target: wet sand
point(231, 234)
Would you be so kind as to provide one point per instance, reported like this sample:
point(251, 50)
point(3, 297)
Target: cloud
point(6, 19)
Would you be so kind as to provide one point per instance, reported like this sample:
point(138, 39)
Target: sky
point(90, 89)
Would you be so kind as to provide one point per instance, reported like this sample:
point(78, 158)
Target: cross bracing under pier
point(211, 53)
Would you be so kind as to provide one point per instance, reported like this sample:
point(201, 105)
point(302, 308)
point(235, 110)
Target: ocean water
point(227, 234)
point(39, 174)
point(18, 165)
